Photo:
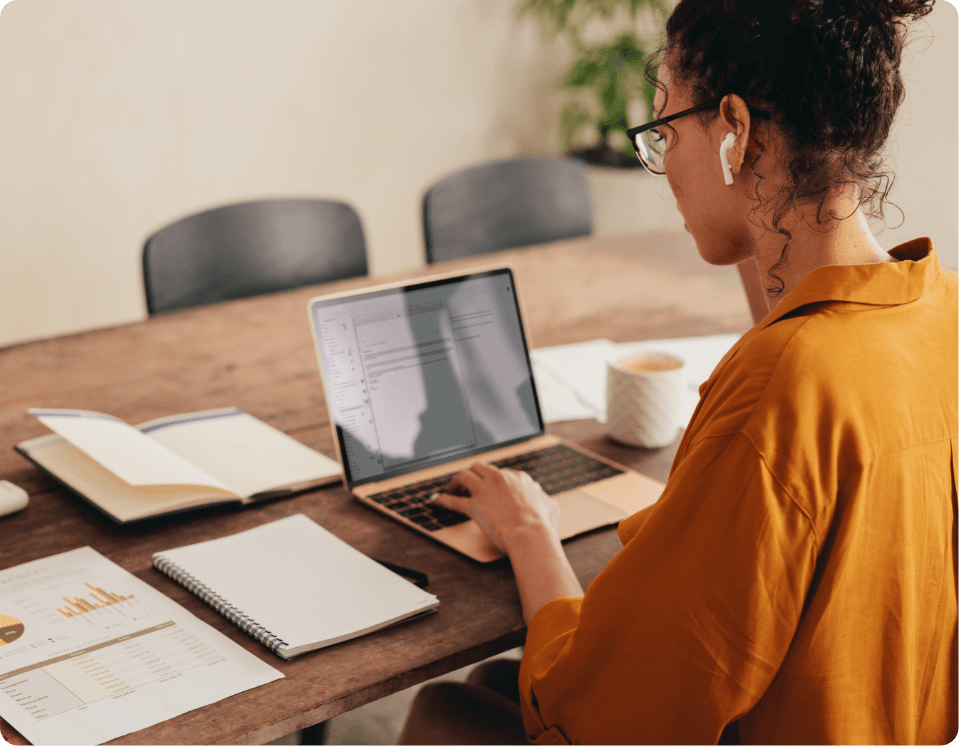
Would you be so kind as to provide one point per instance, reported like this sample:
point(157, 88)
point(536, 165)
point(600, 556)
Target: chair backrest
point(249, 248)
point(505, 204)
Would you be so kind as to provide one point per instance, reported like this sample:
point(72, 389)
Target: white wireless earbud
point(724, 147)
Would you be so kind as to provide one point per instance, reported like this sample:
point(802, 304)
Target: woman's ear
point(736, 121)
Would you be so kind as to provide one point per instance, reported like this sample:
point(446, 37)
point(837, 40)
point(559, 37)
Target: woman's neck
point(846, 242)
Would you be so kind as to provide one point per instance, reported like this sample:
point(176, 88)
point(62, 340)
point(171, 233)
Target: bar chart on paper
point(96, 598)
point(90, 652)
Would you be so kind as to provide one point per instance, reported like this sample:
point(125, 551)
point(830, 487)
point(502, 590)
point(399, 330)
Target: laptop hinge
point(451, 467)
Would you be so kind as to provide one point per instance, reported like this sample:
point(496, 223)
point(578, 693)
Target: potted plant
point(610, 42)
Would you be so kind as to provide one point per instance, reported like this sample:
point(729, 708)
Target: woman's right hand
point(503, 502)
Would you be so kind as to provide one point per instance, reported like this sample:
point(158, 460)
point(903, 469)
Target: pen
point(419, 578)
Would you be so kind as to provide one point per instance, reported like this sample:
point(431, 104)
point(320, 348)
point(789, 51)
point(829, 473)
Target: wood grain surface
point(257, 354)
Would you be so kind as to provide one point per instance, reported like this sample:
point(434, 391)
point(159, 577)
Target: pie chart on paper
point(10, 629)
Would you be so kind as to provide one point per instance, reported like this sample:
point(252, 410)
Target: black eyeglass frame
point(632, 132)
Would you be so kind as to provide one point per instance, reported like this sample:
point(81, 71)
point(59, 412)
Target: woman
point(796, 582)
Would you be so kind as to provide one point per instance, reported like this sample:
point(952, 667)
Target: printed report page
point(88, 652)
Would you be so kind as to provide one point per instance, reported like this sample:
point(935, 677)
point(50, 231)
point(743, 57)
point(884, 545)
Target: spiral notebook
point(294, 586)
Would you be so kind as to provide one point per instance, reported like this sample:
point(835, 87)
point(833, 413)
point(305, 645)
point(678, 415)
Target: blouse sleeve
point(685, 628)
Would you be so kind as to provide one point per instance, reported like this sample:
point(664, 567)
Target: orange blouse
point(798, 573)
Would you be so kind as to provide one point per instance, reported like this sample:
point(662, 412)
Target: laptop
point(423, 378)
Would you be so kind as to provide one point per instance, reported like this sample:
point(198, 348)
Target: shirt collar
point(879, 284)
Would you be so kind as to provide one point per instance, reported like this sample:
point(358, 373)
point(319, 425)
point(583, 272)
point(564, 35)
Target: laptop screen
point(425, 373)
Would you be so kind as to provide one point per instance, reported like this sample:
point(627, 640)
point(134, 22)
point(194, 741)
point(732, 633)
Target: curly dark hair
point(828, 72)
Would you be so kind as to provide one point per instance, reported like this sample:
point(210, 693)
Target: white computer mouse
point(12, 498)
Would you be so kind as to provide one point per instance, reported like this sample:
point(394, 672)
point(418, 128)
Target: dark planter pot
point(603, 155)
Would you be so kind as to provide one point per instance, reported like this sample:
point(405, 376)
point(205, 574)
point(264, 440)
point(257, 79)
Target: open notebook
point(173, 464)
point(294, 586)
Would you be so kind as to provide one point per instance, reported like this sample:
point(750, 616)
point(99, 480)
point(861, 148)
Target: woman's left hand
point(503, 502)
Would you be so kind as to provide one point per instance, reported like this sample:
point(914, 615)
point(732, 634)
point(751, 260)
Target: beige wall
point(924, 145)
point(119, 116)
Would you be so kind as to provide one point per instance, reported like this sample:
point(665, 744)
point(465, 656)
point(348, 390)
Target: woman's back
point(848, 396)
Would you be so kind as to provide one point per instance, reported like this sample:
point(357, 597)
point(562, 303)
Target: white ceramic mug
point(642, 399)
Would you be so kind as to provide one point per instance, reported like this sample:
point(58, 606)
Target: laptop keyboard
point(557, 468)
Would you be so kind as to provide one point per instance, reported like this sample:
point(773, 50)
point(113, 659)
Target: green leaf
point(614, 105)
point(583, 73)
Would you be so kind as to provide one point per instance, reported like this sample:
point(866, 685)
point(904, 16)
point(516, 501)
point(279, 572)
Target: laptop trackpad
point(579, 512)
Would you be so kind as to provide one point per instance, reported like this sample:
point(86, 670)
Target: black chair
point(505, 204)
point(250, 248)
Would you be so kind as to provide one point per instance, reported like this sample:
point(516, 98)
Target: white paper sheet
point(91, 653)
point(557, 401)
point(568, 375)
point(576, 368)
point(123, 449)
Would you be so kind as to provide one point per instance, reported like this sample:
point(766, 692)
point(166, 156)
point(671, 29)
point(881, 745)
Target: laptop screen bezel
point(409, 287)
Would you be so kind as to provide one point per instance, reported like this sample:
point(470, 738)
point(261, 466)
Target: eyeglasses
point(650, 145)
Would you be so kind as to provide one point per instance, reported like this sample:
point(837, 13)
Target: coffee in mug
point(643, 394)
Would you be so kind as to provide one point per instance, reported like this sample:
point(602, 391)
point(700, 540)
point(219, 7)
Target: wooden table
point(258, 354)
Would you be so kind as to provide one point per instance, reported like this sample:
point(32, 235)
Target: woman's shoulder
point(742, 381)
point(834, 376)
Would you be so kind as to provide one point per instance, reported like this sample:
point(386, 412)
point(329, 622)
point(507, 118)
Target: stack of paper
point(571, 379)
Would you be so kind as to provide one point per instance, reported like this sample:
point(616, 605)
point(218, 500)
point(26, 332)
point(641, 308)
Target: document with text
point(89, 652)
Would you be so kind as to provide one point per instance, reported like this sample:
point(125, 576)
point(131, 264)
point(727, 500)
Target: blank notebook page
point(300, 582)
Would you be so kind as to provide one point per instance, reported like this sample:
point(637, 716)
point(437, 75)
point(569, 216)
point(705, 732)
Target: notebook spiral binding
point(241, 620)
